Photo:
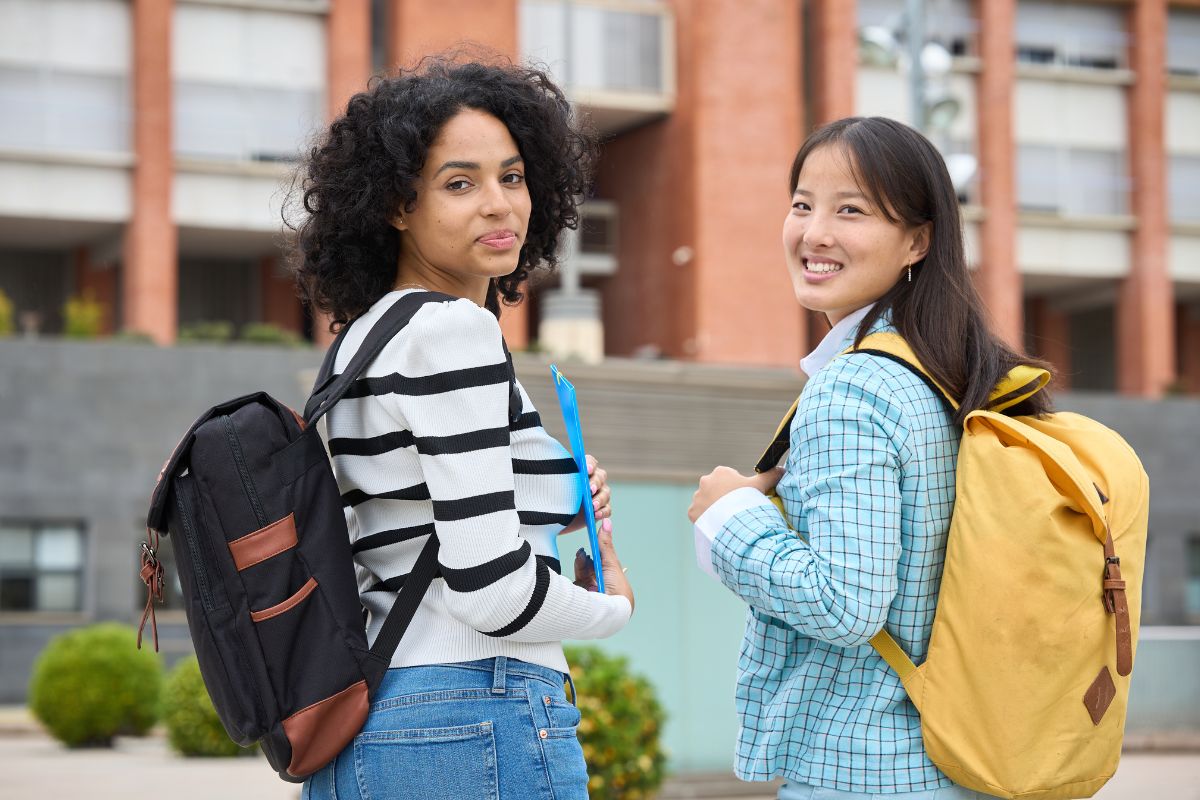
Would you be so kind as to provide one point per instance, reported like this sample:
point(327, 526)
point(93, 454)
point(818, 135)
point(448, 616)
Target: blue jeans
point(495, 729)
point(803, 791)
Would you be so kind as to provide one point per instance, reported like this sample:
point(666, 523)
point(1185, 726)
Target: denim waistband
point(500, 667)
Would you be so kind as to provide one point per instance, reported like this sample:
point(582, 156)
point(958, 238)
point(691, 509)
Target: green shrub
point(92, 683)
point(129, 336)
point(267, 333)
point(622, 720)
point(7, 324)
point(193, 727)
point(83, 317)
point(213, 331)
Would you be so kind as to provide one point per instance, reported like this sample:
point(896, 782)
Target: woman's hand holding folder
point(616, 582)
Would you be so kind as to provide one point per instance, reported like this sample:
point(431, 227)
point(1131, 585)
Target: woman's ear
point(398, 222)
point(919, 247)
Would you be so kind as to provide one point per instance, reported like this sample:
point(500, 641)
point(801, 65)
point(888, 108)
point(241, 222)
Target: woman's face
point(471, 214)
point(842, 253)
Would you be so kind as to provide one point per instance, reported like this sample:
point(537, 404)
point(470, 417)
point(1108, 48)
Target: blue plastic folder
point(570, 412)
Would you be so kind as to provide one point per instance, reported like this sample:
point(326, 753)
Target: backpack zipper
point(235, 445)
point(198, 570)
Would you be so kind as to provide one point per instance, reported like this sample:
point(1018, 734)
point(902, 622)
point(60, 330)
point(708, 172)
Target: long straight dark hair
point(939, 313)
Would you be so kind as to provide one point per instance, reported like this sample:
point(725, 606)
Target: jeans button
point(542, 733)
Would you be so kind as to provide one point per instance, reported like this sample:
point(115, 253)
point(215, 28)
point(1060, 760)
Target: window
point(1183, 178)
point(1191, 602)
point(1084, 36)
point(950, 23)
point(1072, 180)
point(41, 566)
point(249, 83)
point(1183, 42)
point(610, 49)
point(64, 75)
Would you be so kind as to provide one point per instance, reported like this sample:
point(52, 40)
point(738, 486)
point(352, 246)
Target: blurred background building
point(147, 148)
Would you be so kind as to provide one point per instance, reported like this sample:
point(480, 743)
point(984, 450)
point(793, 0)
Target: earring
point(910, 273)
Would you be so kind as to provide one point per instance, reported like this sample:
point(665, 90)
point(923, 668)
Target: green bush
point(92, 683)
point(267, 333)
point(7, 325)
point(214, 331)
point(129, 336)
point(83, 317)
point(193, 727)
point(622, 720)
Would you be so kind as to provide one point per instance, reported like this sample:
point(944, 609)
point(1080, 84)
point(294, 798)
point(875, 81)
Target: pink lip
point(498, 240)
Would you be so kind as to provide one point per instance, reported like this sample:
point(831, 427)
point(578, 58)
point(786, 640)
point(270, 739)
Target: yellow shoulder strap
point(1021, 383)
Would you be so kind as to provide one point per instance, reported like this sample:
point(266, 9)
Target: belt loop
point(571, 683)
point(500, 675)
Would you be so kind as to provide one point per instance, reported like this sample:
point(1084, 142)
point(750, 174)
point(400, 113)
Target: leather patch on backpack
point(1100, 695)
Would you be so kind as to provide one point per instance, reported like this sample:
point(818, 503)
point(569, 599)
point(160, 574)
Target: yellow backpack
point(1024, 690)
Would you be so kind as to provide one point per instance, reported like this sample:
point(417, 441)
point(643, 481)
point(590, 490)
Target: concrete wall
point(84, 429)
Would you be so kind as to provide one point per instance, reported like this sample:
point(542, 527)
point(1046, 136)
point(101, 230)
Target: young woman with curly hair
point(455, 178)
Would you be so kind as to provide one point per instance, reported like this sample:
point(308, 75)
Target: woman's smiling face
point(842, 252)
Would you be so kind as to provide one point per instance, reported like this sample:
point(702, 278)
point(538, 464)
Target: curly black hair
point(364, 171)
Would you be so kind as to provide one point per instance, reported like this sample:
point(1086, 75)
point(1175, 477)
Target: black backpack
point(251, 503)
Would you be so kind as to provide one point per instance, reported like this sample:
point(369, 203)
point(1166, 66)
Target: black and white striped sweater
point(423, 443)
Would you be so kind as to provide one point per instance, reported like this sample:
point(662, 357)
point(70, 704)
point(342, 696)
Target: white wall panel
point(72, 35)
point(235, 202)
point(1183, 123)
point(881, 93)
point(62, 191)
point(1072, 114)
point(1072, 251)
point(1183, 258)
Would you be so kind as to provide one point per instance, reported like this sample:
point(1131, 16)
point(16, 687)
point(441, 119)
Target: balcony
point(614, 58)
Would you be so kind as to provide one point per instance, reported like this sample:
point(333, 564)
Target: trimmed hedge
point(92, 683)
point(193, 728)
point(622, 720)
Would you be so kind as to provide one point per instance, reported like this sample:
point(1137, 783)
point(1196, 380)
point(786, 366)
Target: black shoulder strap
point(401, 613)
point(329, 387)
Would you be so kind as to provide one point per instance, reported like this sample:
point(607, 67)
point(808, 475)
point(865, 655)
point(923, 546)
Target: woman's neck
point(473, 288)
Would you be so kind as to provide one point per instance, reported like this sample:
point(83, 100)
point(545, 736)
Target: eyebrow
point(508, 162)
point(839, 194)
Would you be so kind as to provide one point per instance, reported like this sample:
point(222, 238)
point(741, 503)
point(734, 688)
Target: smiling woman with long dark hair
point(873, 240)
point(455, 178)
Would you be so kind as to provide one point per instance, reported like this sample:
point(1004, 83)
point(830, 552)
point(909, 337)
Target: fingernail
point(595, 505)
point(607, 525)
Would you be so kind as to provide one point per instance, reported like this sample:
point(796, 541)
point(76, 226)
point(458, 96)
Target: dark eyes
point(460, 184)
point(800, 205)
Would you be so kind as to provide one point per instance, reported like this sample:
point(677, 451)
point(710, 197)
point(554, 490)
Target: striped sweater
point(422, 443)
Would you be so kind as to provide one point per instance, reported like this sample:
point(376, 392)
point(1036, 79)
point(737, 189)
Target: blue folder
point(570, 412)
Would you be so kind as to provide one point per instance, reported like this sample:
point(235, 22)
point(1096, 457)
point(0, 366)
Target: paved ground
point(33, 766)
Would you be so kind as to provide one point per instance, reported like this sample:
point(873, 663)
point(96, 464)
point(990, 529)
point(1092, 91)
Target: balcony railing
point(615, 58)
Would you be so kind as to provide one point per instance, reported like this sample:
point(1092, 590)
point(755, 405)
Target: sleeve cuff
point(715, 518)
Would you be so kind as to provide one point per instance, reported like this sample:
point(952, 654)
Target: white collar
point(834, 342)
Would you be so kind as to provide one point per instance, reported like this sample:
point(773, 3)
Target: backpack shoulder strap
point(330, 387)
point(1022, 382)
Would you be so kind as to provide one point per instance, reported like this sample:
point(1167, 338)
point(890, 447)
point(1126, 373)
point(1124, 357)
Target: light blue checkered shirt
point(870, 486)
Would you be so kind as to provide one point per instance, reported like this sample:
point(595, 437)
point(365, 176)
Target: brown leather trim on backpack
point(272, 540)
point(320, 731)
point(286, 605)
point(1116, 603)
point(1100, 695)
